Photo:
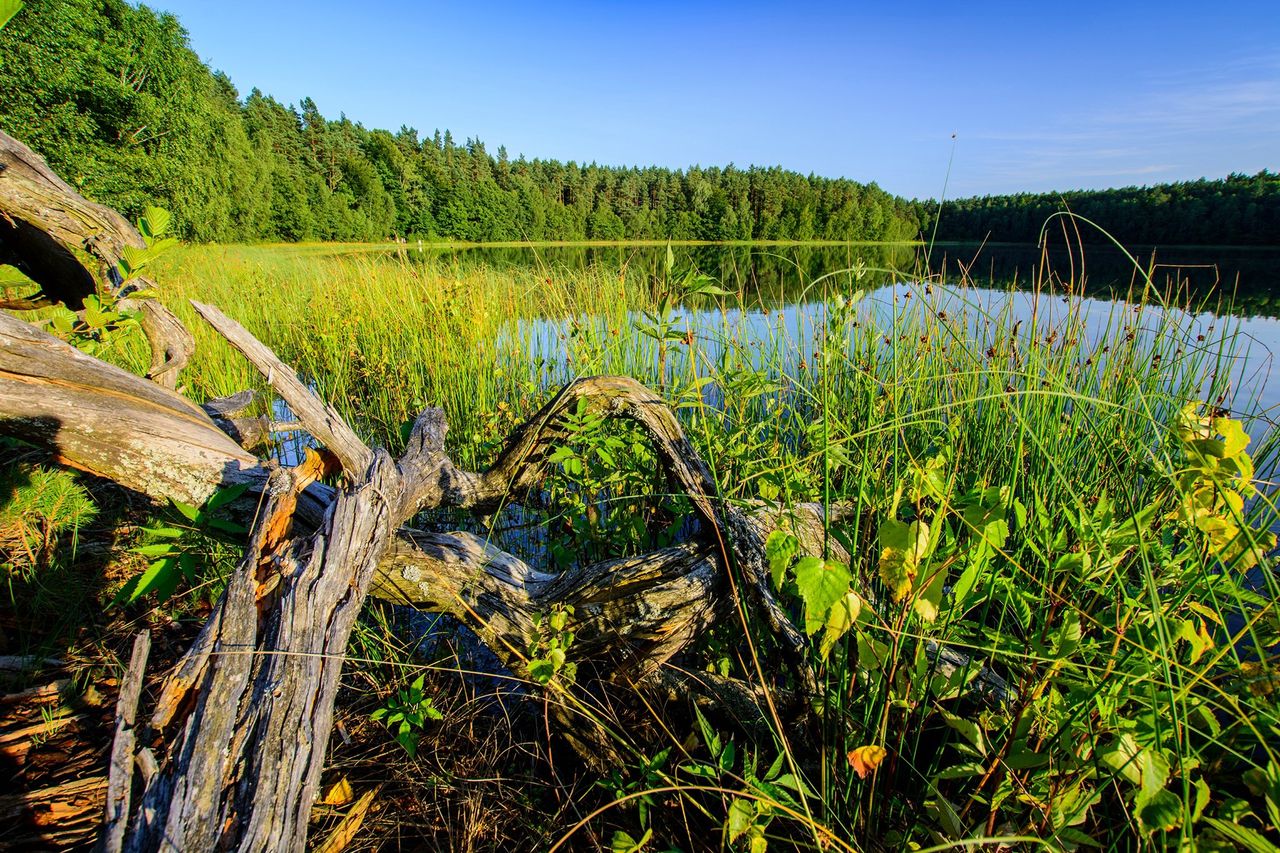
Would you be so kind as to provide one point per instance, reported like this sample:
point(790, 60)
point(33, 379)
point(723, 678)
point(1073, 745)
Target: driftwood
point(631, 615)
point(70, 247)
point(243, 721)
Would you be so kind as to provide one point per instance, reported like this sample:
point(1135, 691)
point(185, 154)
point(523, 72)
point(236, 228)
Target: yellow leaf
point(865, 759)
point(1207, 612)
point(340, 794)
point(344, 832)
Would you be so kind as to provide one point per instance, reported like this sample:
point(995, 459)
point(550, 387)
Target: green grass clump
point(1053, 556)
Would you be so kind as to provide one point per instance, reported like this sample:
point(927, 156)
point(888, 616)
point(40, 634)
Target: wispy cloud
point(1150, 129)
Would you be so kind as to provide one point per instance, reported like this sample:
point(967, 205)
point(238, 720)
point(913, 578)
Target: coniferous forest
point(121, 104)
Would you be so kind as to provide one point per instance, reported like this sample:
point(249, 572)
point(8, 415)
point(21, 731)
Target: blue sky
point(1041, 96)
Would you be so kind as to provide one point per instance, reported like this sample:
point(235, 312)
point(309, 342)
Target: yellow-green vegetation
point(1057, 621)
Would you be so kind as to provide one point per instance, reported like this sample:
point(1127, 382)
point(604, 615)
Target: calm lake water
point(1220, 291)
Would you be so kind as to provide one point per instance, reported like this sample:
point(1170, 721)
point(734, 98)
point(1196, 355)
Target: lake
point(1203, 293)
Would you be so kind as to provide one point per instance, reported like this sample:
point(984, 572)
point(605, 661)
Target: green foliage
point(407, 714)
point(1236, 210)
point(153, 226)
point(749, 813)
point(187, 543)
point(120, 105)
point(1076, 596)
point(104, 322)
point(548, 661)
point(38, 506)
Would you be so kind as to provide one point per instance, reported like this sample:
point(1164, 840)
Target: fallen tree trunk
point(263, 674)
point(70, 247)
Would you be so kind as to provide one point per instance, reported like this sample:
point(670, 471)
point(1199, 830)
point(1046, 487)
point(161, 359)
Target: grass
point(1030, 495)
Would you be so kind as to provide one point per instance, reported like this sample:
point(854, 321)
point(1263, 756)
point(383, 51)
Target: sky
point(967, 98)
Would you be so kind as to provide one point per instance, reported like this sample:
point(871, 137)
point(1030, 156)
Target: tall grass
point(1043, 438)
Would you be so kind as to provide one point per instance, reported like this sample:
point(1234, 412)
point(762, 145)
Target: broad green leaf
point(622, 842)
point(1067, 638)
point(134, 260)
point(159, 550)
point(156, 221)
point(821, 583)
point(224, 496)
point(1162, 811)
point(1155, 771)
point(902, 547)
point(780, 548)
point(159, 576)
point(843, 615)
point(1196, 636)
point(1234, 438)
point(8, 8)
point(742, 814)
point(979, 557)
point(969, 730)
point(929, 601)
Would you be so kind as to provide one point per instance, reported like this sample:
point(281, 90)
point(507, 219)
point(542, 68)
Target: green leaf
point(155, 222)
point(843, 615)
point(780, 548)
point(1234, 438)
point(970, 731)
point(157, 550)
point(929, 601)
point(224, 496)
point(186, 510)
point(8, 8)
point(622, 842)
point(133, 260)
point(902, 547)
point(742, 815)
point(1162, 811)
point(821, 583)
point(1244, 837)
point(160, 577)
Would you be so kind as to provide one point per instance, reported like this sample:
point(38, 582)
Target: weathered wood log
point(70, 247)
point(120, 770)
point(108, 422)
point(245, 766)
point(263, 673)
point(46, 225)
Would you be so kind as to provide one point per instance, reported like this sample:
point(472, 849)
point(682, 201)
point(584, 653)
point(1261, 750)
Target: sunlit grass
point(1058, 403)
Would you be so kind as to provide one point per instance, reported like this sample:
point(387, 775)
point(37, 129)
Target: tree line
point(115, 99)
point(1240, 210)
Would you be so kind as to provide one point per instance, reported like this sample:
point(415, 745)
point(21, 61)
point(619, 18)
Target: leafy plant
point(9, 8)
point(105, 320)
point(548, 660)
point(184, 546)
point(407, 714)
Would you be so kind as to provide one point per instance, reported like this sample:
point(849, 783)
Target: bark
point(70, 246)
point(243, 721)
point(263, 674)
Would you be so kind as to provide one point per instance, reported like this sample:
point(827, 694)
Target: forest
point(1239, 210)
point(131, 115)
point(121, 105)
